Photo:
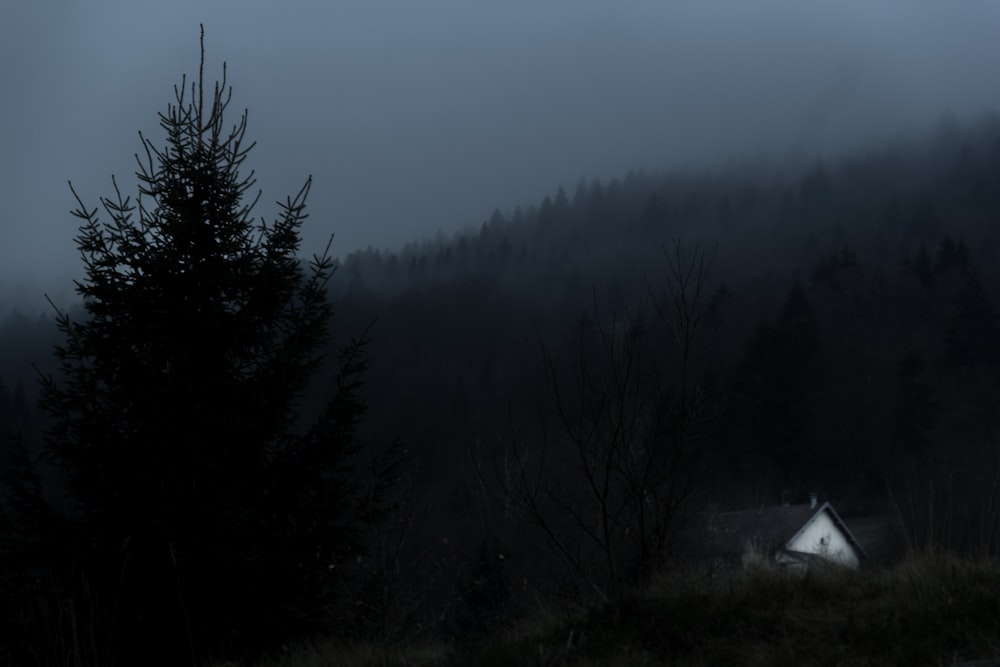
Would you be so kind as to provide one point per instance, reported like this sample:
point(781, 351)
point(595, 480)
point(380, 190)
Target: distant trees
point(204, 517)
point(914, 413)
point(767, 391)
point(14, 411)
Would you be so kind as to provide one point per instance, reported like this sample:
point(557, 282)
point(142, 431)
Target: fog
point(415, 118)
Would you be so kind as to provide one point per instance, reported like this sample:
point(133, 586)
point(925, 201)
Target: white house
point(790, 535)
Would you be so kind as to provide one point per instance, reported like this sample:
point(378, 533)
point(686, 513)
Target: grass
point(927, 610)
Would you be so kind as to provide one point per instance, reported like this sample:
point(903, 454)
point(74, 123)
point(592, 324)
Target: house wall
point(824, 538)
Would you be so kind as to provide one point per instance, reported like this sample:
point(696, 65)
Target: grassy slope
point(929, 610)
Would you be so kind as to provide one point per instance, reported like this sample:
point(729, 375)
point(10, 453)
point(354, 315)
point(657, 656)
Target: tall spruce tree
point(204, 516)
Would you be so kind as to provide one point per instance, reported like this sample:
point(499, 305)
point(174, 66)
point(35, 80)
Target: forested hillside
point(858, 336)
point(846, 343)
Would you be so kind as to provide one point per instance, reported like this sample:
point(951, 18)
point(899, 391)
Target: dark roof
point(766, 530)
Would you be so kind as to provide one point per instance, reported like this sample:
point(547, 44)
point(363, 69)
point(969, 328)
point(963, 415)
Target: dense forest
point(725, 337)
point(857, 347)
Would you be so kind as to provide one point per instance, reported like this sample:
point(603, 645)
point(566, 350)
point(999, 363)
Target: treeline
point(765, 216)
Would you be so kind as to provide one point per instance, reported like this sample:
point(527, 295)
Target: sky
point(422, 116)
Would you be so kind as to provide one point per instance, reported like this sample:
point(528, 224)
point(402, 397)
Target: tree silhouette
point(203, 512)
point(610, 493)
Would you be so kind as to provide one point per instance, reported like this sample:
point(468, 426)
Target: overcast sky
point(424, 115)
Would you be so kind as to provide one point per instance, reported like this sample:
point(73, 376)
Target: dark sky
point(419, 116)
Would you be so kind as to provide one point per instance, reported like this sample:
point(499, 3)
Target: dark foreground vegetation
point(929, 610)
point(224, 451)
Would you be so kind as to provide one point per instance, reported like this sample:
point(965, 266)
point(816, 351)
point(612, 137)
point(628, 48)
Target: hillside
point(571, 380)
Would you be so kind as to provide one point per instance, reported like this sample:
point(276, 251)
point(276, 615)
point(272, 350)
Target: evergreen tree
point(768, 399)
point(200, 509)
point(915, 403)
point(922, 267)
point(971, 336)
point(5, 400)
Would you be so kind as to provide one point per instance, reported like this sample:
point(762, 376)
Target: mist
point(419, 118)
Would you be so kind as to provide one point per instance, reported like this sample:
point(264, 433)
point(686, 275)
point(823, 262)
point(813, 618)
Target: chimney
point(812, 500)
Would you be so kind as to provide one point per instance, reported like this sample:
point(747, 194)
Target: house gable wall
point(823, 538)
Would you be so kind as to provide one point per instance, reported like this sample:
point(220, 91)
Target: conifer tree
point(204, 515)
